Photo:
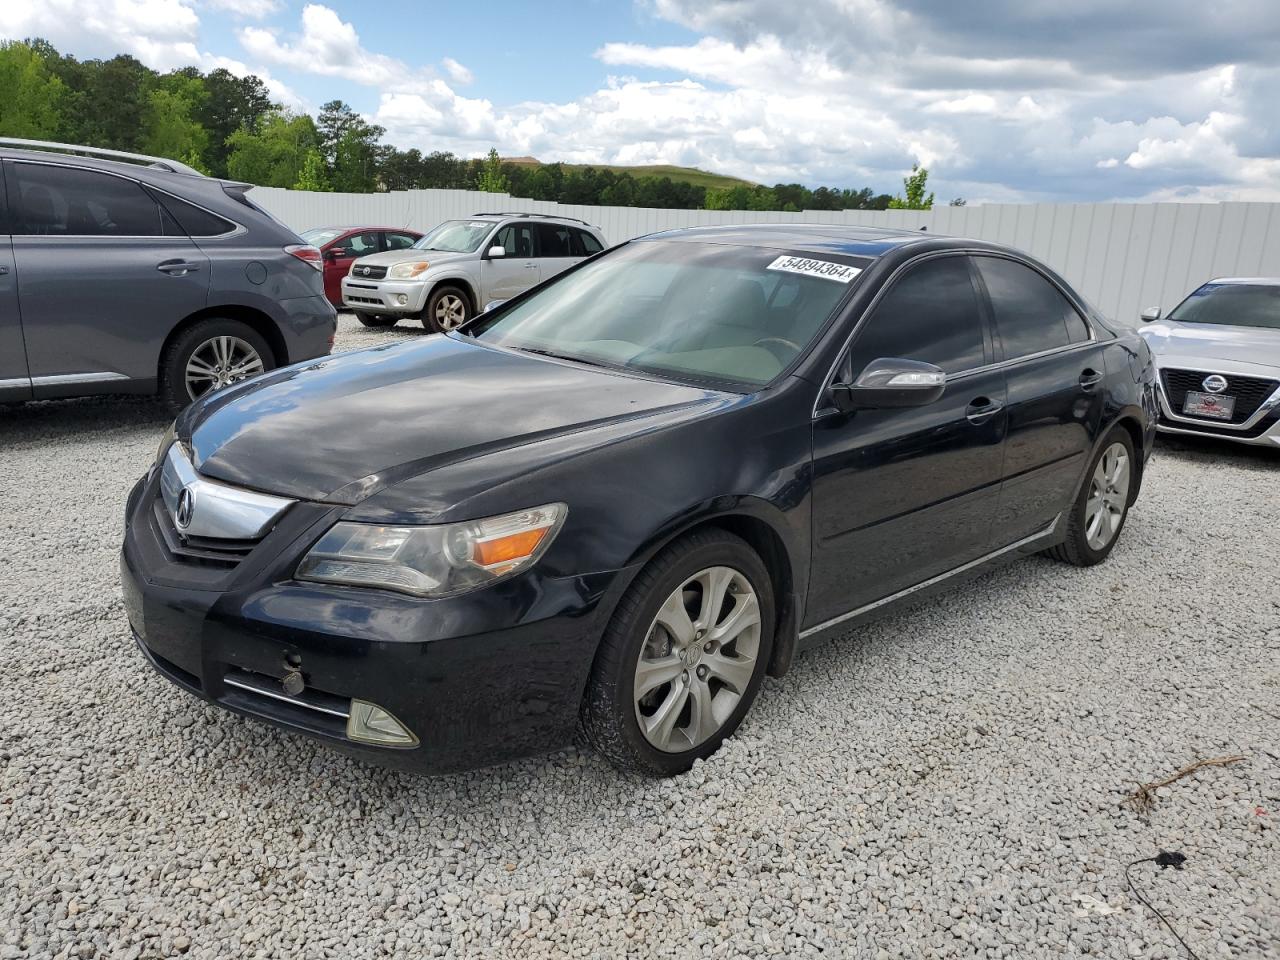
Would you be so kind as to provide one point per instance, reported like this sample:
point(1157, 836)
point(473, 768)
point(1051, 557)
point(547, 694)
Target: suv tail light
point(306, 253)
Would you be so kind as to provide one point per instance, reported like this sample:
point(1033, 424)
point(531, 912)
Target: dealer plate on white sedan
point(1212, 405)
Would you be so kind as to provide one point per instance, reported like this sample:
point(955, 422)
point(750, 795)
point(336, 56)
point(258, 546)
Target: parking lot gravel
point(947, 782)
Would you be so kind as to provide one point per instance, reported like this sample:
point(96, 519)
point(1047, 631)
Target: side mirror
point(492, 304)
point(333, 253)
point(1150, 314)
point(496, 252)
point(891, 382)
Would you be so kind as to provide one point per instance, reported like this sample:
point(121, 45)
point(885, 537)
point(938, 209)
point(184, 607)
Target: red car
point(340, 245)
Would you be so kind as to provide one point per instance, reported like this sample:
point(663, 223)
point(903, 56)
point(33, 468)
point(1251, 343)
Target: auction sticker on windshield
point(839, 272)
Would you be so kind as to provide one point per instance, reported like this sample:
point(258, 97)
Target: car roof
point(363, 226)
point(816, 238)
point(141, 171)
point(1256, 281)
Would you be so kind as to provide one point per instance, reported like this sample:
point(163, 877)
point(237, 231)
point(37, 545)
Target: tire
point(200, 342)
point(447, 309)
point(376, 319)
point(687, 682)
point(1080, 548)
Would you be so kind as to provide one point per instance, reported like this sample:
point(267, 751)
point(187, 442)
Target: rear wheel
point(683, 658)
point(1099, 513)
point(377, 319)
point(208, 356)
point(447, 309)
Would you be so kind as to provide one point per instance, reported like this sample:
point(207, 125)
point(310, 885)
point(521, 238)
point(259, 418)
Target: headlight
point(433, 561)
point(166, 441)
point(408, 271)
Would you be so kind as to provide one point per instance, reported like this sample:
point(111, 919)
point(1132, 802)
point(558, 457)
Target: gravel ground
point(944, 783)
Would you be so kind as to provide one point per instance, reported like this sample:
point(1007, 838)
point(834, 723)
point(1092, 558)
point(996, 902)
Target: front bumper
point(384, 296)
point(478, 679)
point(1262, 429)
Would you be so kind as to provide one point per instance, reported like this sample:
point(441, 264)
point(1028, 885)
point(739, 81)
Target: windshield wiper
point(567, 356)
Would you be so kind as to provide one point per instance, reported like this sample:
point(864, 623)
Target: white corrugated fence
point(1121, 256)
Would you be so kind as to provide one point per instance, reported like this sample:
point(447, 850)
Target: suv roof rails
point(521, 213)
point(173, 166)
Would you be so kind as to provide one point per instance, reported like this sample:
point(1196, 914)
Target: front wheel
point(1100, 510)
point(447, 309)
point(208, 356)
point(683, 658)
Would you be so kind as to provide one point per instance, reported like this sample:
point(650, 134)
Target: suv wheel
point(377, 319)
point(683, 658)
point(208, 356)
point(447, 309)
point(1099, 513)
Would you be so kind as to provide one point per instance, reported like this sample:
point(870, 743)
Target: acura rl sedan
point(1218, 361)
point(636, 491)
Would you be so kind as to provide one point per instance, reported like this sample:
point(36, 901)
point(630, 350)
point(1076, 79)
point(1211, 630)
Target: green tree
point(914, 185)
point(492, 179)
point(275, 156)
point(169, 126)
point(313, 176)
point(231, 103)
point(34, 98)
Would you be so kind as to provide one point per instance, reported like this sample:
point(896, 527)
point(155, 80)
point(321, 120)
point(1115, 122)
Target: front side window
point(358, 245)
point(692, 311)
point(456, 236)
point(1232, 304)
point(1031, 314)
point(67, 201)
point(931, 314)
point(517, 239)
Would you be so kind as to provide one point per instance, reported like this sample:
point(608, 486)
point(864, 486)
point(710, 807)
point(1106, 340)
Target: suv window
point(193, 220)
point(400, 241)
point(554, 240)
point(66, 201)
point(1031, 314)
point(516, 239)
point(931, 314)
point(584, 244)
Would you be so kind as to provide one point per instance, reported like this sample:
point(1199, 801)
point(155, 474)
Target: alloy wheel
point(1108, 497)
point(697, 660)
point(220, 362)
point(450, 312)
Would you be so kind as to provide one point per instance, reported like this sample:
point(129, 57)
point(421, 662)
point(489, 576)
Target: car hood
point(1174, 342)
point(343, 428)
point(388, 257)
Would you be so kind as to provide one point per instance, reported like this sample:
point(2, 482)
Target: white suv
point(461, 266)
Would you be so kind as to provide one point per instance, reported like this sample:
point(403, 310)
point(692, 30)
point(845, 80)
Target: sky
point(1003, 100)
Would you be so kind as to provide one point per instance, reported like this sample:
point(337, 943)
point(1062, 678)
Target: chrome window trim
point(57, 379)
point(932, 581)
point(220, 511)
point(1264, 408)
point(236, 227)
point(984, 297)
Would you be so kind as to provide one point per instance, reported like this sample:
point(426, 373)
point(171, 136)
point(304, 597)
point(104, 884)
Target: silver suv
point(123, 273)
point(462, 266)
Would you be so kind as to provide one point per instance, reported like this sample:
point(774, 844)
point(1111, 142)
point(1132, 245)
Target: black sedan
point(615, 503)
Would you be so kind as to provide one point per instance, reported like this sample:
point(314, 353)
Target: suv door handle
point(531, 266)
point(982, 408)
point(1089, 379)
point(177, 268)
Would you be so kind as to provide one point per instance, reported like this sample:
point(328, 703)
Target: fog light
point(369, 723)
point(402, 298)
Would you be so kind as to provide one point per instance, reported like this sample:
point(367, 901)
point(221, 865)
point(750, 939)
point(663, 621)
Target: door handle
point(981, 409)
point(177, 268)
point(4, 271)
point(1089, 379)
point(531, 266)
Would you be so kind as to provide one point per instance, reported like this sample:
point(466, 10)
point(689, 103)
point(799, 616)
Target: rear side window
point(194, 221)
point(932, 313)
point(554, 240)
point(66, 201)
point(1031, 314)
point(584, 243)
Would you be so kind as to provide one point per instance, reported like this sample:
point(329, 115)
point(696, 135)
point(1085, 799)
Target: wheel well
point(462, 285)
point(765, 541)
point(262, 324)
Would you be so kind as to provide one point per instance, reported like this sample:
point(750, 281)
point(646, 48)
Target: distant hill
point(691, 175)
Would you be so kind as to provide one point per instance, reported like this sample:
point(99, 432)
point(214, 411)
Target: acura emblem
point(1215, 383)
point(186, 507)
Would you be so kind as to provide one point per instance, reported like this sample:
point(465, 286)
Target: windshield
point(456, 236)
point(1232, 304)
point(705, 311)
point(320, 235)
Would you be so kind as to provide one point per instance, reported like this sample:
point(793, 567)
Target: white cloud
point(327, 45)
point(457, 72)
point(248, 9)
point(161, 33)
